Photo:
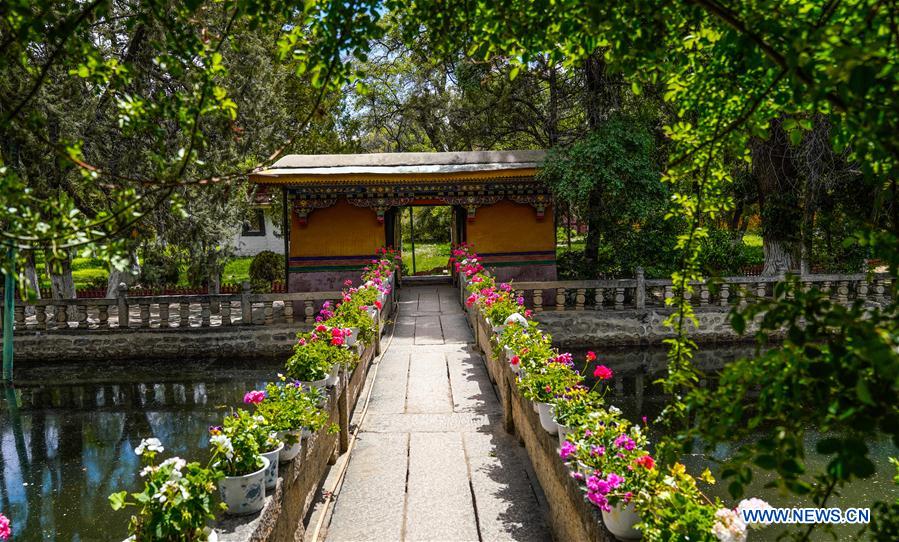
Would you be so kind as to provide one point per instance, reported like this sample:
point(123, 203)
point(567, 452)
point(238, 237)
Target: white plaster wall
point(252, 245)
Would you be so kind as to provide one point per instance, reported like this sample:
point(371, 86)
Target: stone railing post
point(640, 294)
point(122, 299)
point(246, 308)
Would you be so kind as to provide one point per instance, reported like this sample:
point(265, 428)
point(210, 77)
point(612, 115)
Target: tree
point(611, 178)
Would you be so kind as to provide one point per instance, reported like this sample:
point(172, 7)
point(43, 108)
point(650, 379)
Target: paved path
point(432, 461)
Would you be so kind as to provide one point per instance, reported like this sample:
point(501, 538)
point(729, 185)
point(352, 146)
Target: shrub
point(265, 268)
point(159, 269)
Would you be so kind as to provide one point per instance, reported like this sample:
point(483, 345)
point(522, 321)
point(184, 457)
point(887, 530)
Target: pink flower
point(348, 282)
point(254, 397)
point(626, 442)
point(597, 450)
point(591, 356)
point(614, 480)
point(301, 342)
point(321, 328)
point(337, 341)
point(379, 304)
point(520, 300)
point(566, 450)
point(5, 528)
point(515, 360)
point(600, 501)
point(602, 372)
point(528, 313)
point(628, 496)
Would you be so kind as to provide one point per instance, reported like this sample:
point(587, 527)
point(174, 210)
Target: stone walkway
point(432, 461)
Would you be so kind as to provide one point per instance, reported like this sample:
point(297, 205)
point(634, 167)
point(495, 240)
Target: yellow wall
point(507, 226)
point(339, 230)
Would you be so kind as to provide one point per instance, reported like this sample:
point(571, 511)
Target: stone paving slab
point(455, 328)
point(440, 503)
point(507, 506)
point(371, 501)
point(472, 390)
point(428, 387)
point(428, 330)
point(430, 423)
point(389, 389)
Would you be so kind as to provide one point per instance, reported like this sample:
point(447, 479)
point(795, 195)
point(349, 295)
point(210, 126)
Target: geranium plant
point(289, 406)
point(176, 501)
point(316, 352)
point(235, 444)
point(544, 383)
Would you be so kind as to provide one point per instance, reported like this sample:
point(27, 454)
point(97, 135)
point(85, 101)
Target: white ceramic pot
point(320, 384)
point(334, 378)
point(351, 339)
point(621, 520)
point(290, 450)
point(508, 352)
point(271, 473)
point(498, 330)
point(372, 312)
point(516, 369)
point(244, 494)
point(546, 418)
point(534, 406)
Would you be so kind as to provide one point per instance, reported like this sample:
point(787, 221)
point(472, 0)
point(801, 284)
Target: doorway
point(426, 234)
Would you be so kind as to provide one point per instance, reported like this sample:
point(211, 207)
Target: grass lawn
point(89, 272)
point(428, 257)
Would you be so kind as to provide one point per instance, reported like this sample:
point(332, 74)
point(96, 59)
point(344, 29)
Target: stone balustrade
point(640, 293)
point(170, 311)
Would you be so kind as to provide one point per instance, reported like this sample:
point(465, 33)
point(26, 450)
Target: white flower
point(177, 464)
point(614, 410)
point(149, 469)
point(729, 527)
point(152, 444)
point(754, 504)
point(223, 444)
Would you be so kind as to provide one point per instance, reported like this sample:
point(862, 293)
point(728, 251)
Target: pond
point(64, 447)
point(635, 393)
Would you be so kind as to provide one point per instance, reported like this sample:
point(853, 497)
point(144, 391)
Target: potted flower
point(235, 453)
point(291, 409)
point(315, 355)
point(543, 385)
point(270, 445)
point(576, 407)
point(176, 501)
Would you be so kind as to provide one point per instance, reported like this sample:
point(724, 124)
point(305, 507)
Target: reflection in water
point(637, 394)
point(65, 446)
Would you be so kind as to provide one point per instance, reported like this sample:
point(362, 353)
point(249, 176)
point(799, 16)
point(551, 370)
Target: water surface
point(68, 433)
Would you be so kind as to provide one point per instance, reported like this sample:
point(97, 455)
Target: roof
point(404, 164)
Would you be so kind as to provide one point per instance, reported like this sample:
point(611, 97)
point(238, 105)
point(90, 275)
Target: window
point(254, 226)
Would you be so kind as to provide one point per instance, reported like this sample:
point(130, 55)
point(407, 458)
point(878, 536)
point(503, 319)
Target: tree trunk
point(594, 229)
point(62, 284)
point(129, 275)
point(31, 274)
point(778, 257)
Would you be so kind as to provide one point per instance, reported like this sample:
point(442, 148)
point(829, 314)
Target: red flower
point(515, 360)
point(591, 356)
point(602, 372)
point(379, 304)
point(337, 341)
point(647, 462)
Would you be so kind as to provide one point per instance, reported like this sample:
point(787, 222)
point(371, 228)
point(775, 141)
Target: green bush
point(159, 269)
point(265, 268)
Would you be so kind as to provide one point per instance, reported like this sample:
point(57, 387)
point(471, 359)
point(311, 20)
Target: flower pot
point(498, 330)
point(372, 312)
point(546, 418)
point(244, 494)
point(290, 451)
point(621, 520)
point(320, 384)
point(516, 369)
point(351, 339)
point(334, 378)
point(508, 352)
point(271, 473)
point(534, 406)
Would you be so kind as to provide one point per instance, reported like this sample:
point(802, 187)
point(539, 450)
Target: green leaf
point(863, 393)
point(117, 500)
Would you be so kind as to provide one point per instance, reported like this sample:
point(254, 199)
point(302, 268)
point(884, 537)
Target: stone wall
point(173, 343)
point(632, 327)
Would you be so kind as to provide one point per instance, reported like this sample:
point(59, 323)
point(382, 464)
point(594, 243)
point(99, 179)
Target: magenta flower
point(566, 450)
point(254, 397)
point(626, 442)
point(602, 372)
point(597, 451)
point(600, 501)
point(614, 480)
point(5, 528)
